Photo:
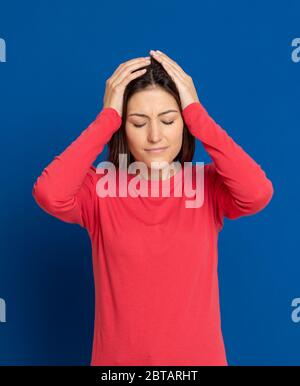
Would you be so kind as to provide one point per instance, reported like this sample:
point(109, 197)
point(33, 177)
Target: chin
point(163, 161)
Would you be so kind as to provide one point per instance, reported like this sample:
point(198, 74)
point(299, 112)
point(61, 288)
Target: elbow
point(44, 196)
point(62, 208)
point(255, 202)
point(262, 197)
point(40, 195)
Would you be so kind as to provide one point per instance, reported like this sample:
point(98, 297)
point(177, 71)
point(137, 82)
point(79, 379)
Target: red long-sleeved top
point(154, 259)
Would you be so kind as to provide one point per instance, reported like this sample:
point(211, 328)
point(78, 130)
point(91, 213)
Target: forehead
point(151, 102)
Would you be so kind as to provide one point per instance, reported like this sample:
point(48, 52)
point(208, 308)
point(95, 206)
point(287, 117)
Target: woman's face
point(154, 121)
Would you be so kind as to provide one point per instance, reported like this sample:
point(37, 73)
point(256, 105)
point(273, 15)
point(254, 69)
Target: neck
point(160, 174)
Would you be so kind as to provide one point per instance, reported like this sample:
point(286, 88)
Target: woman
point(154, 259)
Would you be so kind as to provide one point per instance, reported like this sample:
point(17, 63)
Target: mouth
point(157, 149)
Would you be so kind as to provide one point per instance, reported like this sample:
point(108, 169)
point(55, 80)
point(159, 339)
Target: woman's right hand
point(116, 84)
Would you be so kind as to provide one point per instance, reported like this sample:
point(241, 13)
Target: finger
point(127, 70)
point(132, 76)
point(172, 64)
point(172, 71)
point(162, 57)
point(171, 61)
point(131, 64)
point(168, 64)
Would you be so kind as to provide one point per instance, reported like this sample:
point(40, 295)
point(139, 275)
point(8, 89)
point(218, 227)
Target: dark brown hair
point(155, 75)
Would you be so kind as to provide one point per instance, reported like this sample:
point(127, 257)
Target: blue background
point(59, 55)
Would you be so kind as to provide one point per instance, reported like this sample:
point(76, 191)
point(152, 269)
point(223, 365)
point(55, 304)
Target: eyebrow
point(144, 115)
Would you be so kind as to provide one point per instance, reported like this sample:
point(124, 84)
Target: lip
point(157, 149)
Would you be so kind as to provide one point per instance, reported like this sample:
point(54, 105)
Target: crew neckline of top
point(149, 184)
point(164, 181)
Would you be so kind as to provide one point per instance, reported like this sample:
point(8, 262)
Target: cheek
point(176, 137)
point(134, 139)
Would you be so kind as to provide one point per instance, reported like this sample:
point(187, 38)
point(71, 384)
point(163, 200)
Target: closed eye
point(166, 123)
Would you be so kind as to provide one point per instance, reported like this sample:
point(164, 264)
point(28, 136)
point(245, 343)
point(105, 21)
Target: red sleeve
point(66, 189)
point(240, 187)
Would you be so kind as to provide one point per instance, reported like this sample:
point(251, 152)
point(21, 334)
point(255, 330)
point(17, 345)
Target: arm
point(240, 186)
point(66, 188)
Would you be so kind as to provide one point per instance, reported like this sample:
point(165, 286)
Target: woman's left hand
point(183, 81)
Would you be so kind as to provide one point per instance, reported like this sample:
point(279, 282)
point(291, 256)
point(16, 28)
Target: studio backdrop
point(55, 57)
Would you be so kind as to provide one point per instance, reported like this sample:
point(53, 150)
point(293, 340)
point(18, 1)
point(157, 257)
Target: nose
point(154, 133)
